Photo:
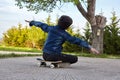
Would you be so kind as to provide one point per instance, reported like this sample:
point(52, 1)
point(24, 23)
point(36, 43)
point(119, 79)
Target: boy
point(56, 37)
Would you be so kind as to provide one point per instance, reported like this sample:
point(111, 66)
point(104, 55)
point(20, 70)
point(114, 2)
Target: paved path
point(16, 52)
point(26, 68)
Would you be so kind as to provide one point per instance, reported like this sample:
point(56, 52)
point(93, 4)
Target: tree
point(112, 36)
point(87, 33)
point(15, 36)
point(24, 36)
point(97, 22)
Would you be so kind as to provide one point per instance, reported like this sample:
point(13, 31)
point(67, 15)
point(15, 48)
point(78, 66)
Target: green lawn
point(19, 49)
point(22, 49)
point(17, 55)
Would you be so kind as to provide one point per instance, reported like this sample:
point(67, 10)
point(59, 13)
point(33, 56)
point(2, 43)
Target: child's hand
point(27, 21)
point(94, 51)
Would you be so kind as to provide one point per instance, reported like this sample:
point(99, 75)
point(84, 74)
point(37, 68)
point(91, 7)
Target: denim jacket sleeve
point(41, 25)
point(77, 41)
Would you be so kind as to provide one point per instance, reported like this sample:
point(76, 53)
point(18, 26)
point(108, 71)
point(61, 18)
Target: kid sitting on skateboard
point(57, 35)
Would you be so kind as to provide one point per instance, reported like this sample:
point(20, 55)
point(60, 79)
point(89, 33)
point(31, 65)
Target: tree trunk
point(97, 33)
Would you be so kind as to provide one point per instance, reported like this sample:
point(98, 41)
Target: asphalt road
point(27, 68)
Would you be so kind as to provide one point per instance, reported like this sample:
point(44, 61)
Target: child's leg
point(69, 58)
point(60, 57)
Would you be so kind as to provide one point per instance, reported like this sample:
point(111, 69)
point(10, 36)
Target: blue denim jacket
point(56, 37)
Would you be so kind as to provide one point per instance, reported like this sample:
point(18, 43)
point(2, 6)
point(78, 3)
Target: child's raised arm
point(41, 25)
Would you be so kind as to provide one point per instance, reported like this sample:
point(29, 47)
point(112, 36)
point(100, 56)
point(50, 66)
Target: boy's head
point(64, 21)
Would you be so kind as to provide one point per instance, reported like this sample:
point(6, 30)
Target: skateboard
point(51, 64)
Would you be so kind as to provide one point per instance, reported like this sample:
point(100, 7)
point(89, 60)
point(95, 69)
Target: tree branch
point(91, 11)
point(91, 7)
point(82, 10)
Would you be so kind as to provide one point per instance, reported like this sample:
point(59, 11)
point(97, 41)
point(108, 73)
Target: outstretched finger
point(27, 21)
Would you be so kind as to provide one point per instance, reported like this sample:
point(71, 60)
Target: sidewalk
point(27, 68)
point(15, 52)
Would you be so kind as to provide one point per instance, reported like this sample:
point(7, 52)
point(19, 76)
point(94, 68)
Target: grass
point(18, 49)
point(17, 55)
point(80, 54)
point(97, 56)
point(21, 49)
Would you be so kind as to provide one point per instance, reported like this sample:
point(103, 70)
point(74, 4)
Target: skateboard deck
point(51, 64)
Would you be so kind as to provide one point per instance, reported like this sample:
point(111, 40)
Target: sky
point(11, 15)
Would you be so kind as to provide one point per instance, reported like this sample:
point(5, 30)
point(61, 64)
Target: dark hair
point(64, 21)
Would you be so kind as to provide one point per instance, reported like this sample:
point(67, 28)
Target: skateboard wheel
point(43, 64)
point(52, 66)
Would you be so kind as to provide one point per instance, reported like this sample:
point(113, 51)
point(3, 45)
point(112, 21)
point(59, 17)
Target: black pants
point(60, 57)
